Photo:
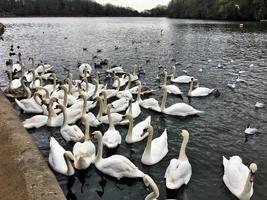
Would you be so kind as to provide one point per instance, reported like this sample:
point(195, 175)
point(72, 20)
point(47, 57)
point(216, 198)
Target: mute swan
point(113, 92)
point(116, 70)
point(17, 67)
point(133, 109)
point(179, 170)
point(69, 133)
point(178, 109)
point(199, 91)
point(36, 80)
point(116, 165)
point(85, 67)
point(150, 103)
point(144, 90)
point(112, 137)
point(180, 79)
point(59, 159)
point(119, 81)
point(90, 117)
point(156, 149)
point(119, 105)
point(238, 178)
point(126, 93)
point(171, 89)
point(115, 117)
point(148, 181)
point(84, 153)
point(135, 134)
point(13, 83)
point(259, 105)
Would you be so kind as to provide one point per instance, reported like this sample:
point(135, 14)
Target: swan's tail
point(225, 162)
point(199, 112)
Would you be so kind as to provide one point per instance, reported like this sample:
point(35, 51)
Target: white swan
point(238, 178)
point(126, 93)
point(199, 91)
point(119, 105)
point(171, 89)
point(177, 109)
point(59, 159)
point(85, 67)
point(118, 81)
point(112, 137)
point(116, 70)
point(180, 79)
point(69, 133)
point(156, 149)
point(148, 181)
point(116, 165)
point(134, 109)
point(90, 117)
point(135, 134)
point(13, 83)
point(84, 153)
point(179, 170)
point(112, 92)
point(150, 103)
point(115, 117)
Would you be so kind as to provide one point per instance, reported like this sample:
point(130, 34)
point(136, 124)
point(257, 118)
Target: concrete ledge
point(24, 173)
point(2, 28)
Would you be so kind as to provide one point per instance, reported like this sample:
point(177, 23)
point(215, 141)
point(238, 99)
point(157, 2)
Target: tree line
point(62, 8)
point(195, 9)
point(213, 9)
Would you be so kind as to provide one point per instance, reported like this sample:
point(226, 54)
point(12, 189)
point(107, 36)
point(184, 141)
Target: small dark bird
point(65, 38)
point(158, 41)
point(97, 65)
point(116, 47)
point(172, 44)
point(147, 61)
point(18, 47)
point(99, 50)
point(2, 38)
point(173, 60)
point(12, 54)
point(217, 93)
point(94, 56)
point(84, 49)
point(9, 62)
point(104, 62)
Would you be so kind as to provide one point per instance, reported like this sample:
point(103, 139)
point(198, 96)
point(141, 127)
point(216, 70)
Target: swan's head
point(138, 83)
point(81, 96)
point(253, 169)
point(146, 180)
point(185, 133)
point(173, 67)
point(97, 135)
point(148, 129)
point(68, 155)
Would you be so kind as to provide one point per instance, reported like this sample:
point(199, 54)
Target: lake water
point(218, 132)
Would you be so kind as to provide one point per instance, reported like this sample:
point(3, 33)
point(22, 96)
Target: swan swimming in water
point(238, 178)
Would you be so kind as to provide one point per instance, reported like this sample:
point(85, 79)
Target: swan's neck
point(182, 155)
point(190, 88)
point(28, 91)
point(139, 93)
point(164, 99)
point(173, 73)
point(130, 129)
point(129, 82)
point(165, 79)
point(100, 112)
point(118, 85)
point(69, 166)
point(155, 194)
point(105, 103)
point(70, 86)
point(64, 116)
point(111, 126)
point(33, 67)
point(54, 83)
point(51, 112)
point(99, 150)
point(95, 91)
point(86, 85)
point(148, 144)
point(247, 188)
point(87, 131)
point(134, 70)
point(84, 106)
point(36, 99)
point(65, 98)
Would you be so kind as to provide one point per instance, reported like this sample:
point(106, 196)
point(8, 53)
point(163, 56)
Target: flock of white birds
point(62, 105)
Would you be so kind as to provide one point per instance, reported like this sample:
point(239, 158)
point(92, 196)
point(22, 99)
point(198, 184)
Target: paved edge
point(24, 174)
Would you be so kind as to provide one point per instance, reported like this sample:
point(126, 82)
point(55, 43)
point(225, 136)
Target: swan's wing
point(159, 145)
point(178, 173)
point(56, 158)
point(120, 166)
point(84, 148)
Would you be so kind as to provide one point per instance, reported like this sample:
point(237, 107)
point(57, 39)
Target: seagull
point(251, 131)
point(259, 105)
